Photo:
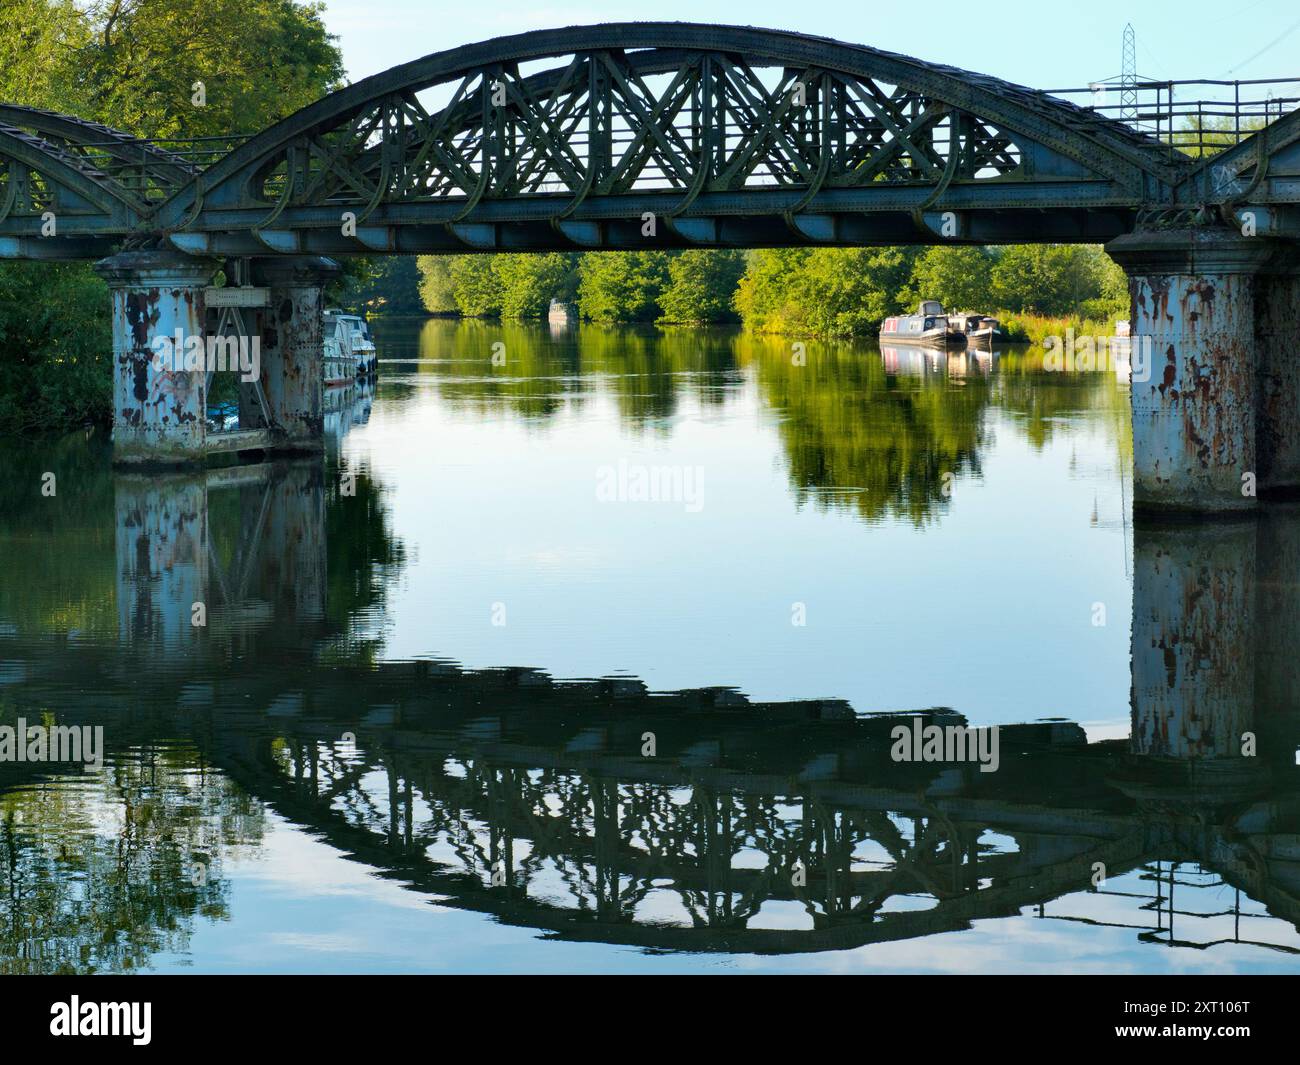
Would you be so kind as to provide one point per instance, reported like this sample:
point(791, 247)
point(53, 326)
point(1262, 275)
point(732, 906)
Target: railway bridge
point(675, 135)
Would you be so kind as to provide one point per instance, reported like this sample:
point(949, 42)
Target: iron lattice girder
point(39, 177)
point(640, 107)
point(96, 181)
point(138, 167)
point(697, 123)
point(1264, 167)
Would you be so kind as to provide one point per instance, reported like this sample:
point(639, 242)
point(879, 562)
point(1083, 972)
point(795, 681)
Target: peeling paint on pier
point(1194, 415)
point(158, 412)
point(292, 331)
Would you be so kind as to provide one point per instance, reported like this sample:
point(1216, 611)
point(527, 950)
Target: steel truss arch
point(693, 122)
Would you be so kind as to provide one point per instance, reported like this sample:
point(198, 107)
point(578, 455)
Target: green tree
point(258, 60)
point(823, 292)
point(530, 281)
point(955, 275)
point(40, 41)
point(55, 346)
point(437, 291)
point(701, 286)
point(622, 286)
point(1049, 278)
point(476, 286)
point(388, 284)
point(768, 295)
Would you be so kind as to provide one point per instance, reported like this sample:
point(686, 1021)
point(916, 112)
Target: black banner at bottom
point(212, 1014)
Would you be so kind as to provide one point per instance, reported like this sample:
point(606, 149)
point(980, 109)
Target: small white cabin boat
point(349, 351)
point(562, 313)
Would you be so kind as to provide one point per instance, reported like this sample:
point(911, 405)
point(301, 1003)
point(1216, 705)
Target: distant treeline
point(824, 292)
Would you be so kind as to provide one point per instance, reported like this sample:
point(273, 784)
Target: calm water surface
point(412, 733)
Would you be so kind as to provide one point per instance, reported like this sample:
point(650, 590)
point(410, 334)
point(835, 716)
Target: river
point(584, 648)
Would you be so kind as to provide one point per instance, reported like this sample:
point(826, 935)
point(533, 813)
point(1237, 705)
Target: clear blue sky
point(1041, 43)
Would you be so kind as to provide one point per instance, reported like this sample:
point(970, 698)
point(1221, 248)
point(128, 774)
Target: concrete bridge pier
point(292, 345)
point(1194, 310)
point(159, 406)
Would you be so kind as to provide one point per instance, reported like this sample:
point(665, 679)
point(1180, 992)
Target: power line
point(1275, 41)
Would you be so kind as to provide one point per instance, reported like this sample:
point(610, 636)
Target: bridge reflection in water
point(532, 800)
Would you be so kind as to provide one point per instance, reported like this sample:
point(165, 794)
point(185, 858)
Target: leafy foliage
point(530, 282)
point(258, 60)
point(388, 284)
point(622, 286)
point(56, 368)
point(958, 277)
point(822, 292)
point(701, 286)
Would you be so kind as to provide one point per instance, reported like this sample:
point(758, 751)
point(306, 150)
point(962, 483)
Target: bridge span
point(675, 135)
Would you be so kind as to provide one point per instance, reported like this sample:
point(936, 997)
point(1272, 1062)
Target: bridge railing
point(163, 164)
point(1195, 117)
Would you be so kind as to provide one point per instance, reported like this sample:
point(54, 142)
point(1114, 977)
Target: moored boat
point(979, 328)
point(560, 313)
point(349, 351)
point(929, 326)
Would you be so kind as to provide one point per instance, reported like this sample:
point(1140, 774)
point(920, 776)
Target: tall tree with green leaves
point(476, 286)
point(823, 292)
point(625, 286)
point(1048, 278)
point(955, 275)
point(385, 284)
point(701, 286)
point(40, 44)
point(530, 281)
point(437, 291)
point(192, 68)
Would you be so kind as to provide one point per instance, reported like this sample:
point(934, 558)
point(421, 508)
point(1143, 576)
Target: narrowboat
point(928, 326)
